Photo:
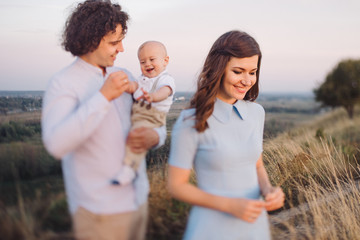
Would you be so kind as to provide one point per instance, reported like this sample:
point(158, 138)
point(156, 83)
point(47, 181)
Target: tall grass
point(318, 168)
point(316, 165)
point(45, 217)
point(167, 216)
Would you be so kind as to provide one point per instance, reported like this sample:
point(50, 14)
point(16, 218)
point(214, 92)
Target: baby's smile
point(149, 70)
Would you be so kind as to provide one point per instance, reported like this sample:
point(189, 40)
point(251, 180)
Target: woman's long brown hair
point(231, 44)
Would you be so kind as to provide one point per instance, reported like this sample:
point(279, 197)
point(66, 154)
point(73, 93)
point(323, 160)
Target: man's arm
point(66, 122)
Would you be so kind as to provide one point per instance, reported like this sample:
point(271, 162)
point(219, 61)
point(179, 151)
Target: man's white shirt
point(85, 130)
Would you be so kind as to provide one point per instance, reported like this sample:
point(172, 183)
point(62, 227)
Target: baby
point(153, 94)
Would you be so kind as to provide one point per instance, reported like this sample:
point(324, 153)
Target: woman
point(221, 135)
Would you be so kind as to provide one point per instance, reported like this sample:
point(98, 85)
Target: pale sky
point(301, 40)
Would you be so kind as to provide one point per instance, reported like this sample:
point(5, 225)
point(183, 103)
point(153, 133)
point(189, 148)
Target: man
point(86, 119)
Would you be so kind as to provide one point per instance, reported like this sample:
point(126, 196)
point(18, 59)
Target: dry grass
point(319, 174)
point(167, 216)
point(325, 203)
point(316, 165)
point(21, 117)
point(43, 218)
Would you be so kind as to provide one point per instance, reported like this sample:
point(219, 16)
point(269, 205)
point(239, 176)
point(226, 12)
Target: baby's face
point(153, 60)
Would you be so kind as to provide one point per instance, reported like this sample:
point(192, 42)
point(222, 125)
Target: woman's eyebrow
point(243, 69)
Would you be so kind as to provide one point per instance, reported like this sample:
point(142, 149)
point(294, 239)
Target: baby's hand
point(146, 96)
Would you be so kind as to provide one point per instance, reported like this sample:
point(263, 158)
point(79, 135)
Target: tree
point(341, 87)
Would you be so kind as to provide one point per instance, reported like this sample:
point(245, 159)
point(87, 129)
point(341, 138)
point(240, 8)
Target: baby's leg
point(131, 161)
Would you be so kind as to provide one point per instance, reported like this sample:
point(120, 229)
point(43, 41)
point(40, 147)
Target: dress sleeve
point(184, 141)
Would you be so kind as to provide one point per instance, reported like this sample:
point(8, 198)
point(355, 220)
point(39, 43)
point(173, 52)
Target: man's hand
point(132, 87)
point(115, 85)
point(141, 139)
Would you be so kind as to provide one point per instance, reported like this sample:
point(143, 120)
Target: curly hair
point(89, 23)
point(231, 44)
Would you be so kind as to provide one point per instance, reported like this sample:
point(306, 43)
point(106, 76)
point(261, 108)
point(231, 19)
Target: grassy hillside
point(316, 164)
point(318, 167)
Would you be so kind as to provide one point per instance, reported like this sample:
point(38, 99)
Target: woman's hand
point(246, 209)
point(274, 198)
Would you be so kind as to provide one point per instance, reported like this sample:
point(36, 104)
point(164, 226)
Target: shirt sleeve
point(184, 141)
point(169, 81)
point(66, 122)
point(161, 131)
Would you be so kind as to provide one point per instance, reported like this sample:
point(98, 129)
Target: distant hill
point(25, 94)
point(285, 95)
point(272, 102)
point(187, 95)
point(264, 96)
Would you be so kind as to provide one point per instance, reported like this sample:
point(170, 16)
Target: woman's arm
point(274, 196)
point(180, 188)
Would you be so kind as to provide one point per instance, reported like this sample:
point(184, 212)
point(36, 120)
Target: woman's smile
point(239, 77)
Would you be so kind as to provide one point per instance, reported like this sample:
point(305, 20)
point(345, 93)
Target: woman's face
point(239, 77)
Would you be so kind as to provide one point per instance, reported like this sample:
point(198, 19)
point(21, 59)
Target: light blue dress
point(224, 157)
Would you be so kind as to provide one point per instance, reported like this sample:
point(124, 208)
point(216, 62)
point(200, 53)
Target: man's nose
point(120, 47)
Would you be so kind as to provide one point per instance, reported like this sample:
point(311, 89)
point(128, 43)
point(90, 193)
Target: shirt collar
point(222, 110)
point(152, 79)
point(89, 66)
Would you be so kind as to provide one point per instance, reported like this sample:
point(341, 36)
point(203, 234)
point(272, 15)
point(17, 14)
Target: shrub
point(17, 131)
point(30, 160)
point(58, 218)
